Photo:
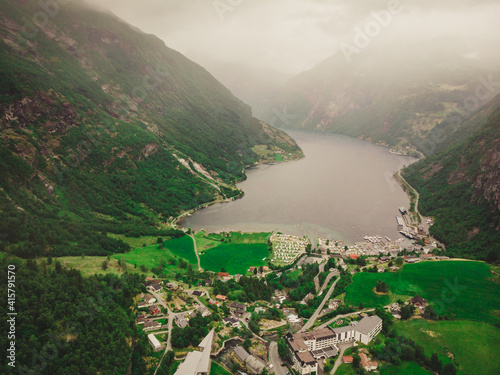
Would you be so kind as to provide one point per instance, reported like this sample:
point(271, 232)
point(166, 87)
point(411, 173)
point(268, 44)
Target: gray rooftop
point(367, 324)
point(241, 353)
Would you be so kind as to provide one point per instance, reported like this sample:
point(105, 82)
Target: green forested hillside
point(105, 129)
point(460, 188)
point(68, 324)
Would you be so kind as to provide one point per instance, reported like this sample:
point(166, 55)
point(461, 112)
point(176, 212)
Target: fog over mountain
point(294, 35)
point(253, 47)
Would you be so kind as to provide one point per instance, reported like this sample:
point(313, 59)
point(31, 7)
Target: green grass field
point(345, 369)
point(406, 368)
point(234, 258)
point(279, 157)
point(135, 242)
point(473, 345)
point(206, 241)
point(91, 265)
point(462, 288)
point(216, 369)
point(182, 247)
point(152, 256)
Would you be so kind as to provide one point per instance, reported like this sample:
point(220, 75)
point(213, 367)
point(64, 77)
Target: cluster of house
point(417, 301)
point(309, 347)
point(238, 313)
point(182, 319)
point(287, 248)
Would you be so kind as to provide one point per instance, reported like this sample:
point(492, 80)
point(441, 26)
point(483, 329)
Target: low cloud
point(294, 35)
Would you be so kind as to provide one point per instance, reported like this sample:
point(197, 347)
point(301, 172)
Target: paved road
point(316, 278)
point(313, 318)
point(329, 277)
point(422, 218)
point(196, 252)
point(159, 299)
point(169, 344)
point(275, 360)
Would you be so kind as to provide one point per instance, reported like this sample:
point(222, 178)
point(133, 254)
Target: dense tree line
point(194, 333)
point(68, 324)
point(397, 349)
point(247, 289)
point(303, 284)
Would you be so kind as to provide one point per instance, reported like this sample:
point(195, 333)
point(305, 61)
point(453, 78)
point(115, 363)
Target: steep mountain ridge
point(105, 128)
point(402, 96)
point(461, 188)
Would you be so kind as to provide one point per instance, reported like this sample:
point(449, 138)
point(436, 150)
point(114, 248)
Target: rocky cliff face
point(104, 128)
point(461, 187)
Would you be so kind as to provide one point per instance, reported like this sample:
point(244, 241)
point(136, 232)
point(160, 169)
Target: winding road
point(314, 316)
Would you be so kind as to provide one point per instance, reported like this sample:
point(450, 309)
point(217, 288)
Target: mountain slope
point(405, 95)
point(461, 188)
point(105, 129)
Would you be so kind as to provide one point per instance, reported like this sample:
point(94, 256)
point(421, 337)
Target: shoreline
point(175, 222)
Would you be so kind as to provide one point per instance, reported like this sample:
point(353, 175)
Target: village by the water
point(289, 314)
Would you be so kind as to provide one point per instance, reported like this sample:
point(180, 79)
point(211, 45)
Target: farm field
point(472, 344)
point(234, 258)
point(461, 288)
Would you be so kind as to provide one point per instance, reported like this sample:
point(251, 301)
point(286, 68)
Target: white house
point(154, 342)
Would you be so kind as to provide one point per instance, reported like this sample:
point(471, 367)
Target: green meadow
point(233, 251)
point(471, 345)
point(234, 258)
point(152, 256)
point(406, 368)
point(462, 288)
point(206, 241)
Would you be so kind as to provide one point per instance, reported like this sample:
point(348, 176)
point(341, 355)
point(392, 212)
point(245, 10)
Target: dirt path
point(196, 252)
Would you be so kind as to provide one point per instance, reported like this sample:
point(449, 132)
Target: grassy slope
point(407, 368)
point(152, 256)
point(91, 265)
point(432, 280)
point(472, 344)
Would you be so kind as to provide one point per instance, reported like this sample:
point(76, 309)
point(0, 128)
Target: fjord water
point(343, 189)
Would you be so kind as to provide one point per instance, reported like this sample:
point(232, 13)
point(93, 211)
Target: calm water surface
point(343, 189)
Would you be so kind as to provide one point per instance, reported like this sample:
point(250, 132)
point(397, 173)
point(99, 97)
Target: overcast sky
point(294, 35)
